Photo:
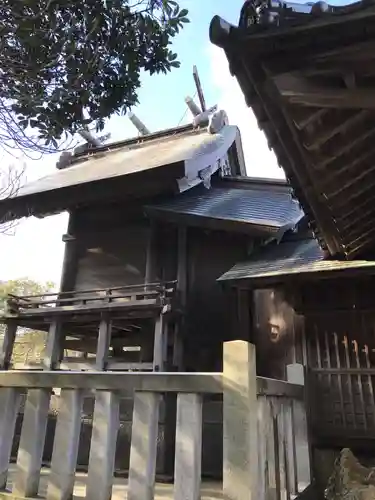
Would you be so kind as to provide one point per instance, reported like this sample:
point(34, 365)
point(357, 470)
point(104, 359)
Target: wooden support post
point(9, 406)
point(104, 341)
point(69, 269)
point(31, 447)
point(296, 375)
point(7, 344)
point(283, 471)
point(143, 446)
point(263, 422)
point(271, 437)
point(240, 433)
point(151, 257)
point(103, 446)
point(65, 446)
point(290, 441)
point(187, 476)
point(159, 340)
point(54, 346)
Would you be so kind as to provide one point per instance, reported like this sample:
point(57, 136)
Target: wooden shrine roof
point(167, 161)
point(308, 72)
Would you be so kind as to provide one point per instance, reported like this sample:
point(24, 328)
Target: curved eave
point(177, 163)
point(302, 133)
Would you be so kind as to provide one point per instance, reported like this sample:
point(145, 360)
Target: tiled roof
point(277, 263)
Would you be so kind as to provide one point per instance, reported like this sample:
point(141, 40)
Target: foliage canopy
point(30, 344)
point(66, 64)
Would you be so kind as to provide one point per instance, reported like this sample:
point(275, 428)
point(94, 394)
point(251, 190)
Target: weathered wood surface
point(252, 406)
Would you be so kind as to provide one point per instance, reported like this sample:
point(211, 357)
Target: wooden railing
point(343, 403)
point(144, 293)
point(265, 446)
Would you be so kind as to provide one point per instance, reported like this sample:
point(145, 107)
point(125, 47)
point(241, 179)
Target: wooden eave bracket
point(297, 89)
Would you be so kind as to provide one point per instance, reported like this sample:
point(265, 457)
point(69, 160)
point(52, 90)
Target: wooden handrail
point(95, 290)
point(209, 383)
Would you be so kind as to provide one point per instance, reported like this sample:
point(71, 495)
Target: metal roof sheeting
point(288, 259)
point(260, 207)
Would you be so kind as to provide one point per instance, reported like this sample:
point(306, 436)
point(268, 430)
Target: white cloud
point(260, 161)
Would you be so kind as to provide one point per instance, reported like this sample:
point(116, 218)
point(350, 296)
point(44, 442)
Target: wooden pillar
point(104, 341)
point(240, 434)
point(151, 257)
point(159, 344)
point(177, 362)
point(54, 346)
point(7, 344)
point(31, 447)
point(105, 426)
point(9, 404)
point(69, 269)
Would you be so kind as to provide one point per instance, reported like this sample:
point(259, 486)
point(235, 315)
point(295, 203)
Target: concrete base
point(209, 490)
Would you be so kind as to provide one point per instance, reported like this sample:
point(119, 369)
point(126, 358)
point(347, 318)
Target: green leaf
point(79, 56)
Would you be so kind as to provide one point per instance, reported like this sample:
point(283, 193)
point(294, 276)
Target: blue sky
point(162, 96)
point(36, 250)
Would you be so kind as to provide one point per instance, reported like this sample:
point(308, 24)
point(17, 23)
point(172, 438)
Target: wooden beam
point(299, 90)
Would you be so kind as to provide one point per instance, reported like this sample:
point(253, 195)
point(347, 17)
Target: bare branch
point(10, 182)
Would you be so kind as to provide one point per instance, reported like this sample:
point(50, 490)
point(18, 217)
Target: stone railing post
point(296, 375)
point(240, 432)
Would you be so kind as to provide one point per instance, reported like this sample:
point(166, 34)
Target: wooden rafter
point(297, 89)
